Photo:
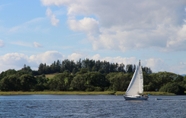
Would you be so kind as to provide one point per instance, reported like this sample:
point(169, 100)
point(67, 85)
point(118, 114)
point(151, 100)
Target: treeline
point(87, 75)
point(103, 67)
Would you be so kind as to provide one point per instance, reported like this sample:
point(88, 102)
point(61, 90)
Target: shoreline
point(76, 93)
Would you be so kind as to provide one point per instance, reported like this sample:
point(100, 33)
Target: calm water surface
point(90, 106)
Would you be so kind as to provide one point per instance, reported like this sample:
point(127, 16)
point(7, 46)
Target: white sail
point(136, 84)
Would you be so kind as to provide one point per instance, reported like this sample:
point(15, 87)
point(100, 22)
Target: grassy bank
point(147, 93)
point(56, 93)
point(75, 93)
point(158, 93)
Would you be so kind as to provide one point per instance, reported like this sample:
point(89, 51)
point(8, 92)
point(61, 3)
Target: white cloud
point(119, 60)
point(26, 44)
point(1, 43)
point(179, 68)
point(55, 2)
point(96, 57)
point(156, 64)
point(46, 57)
point(21, 43)
point(37, 45)
point(126, 25)
point(13, 61)
point(88, 25)
point(130, 60)
point(75, 56)
point(31, 25)
point(178, 42)
point(52, 17)
point(17, 60)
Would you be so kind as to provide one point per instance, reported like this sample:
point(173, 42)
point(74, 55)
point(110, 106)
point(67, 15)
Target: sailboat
point(135, 88)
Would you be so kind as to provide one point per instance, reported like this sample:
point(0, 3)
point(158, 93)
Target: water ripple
point(90, 106)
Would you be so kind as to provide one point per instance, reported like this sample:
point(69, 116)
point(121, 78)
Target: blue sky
point(122, 31)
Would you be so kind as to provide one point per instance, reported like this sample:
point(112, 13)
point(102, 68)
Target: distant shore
point(76, 93)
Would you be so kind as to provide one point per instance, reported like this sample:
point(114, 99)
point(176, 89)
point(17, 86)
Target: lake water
point(90, 106)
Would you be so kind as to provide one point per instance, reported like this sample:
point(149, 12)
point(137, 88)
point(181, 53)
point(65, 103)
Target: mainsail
point(136, 84)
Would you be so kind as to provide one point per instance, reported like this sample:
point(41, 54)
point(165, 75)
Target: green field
point(51, 75)
point(75, 93)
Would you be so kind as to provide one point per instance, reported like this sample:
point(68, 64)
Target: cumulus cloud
point(118, 59)
point(51, 15)
point(46, 57)
point(88, 25)
point(126, 25)
point(179, 68)
point(55, 2)
point(178, 42)
point(1, 43)
point(75, 56)
point(130, 60)
point(156, 64)
point(11, 58)
point(17, 60)
point(13, 61)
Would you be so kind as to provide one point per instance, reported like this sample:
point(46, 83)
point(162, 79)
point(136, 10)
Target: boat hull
point(136, 97)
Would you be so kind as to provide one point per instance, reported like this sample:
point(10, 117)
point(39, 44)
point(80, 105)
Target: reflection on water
point(91, 106)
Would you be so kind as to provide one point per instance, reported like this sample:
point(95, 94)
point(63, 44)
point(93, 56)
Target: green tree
point(10, 83)
point(68, 65)
point(61, 82)
point(25, 70)
point(7, 73)
point(121, 68)
point(119, 81)
point(130, 68)
point(96, 80)
point(78, 83)
point(157, 80)
point(172, 88)
point(27, 82)
point(42, 83)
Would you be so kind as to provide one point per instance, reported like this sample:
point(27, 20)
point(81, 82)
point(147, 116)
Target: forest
point(87, 75)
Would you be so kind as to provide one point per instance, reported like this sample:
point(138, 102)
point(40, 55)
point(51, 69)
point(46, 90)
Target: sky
point(118, 31)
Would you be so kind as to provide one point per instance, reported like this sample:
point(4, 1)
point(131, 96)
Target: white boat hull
point(136, 97)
